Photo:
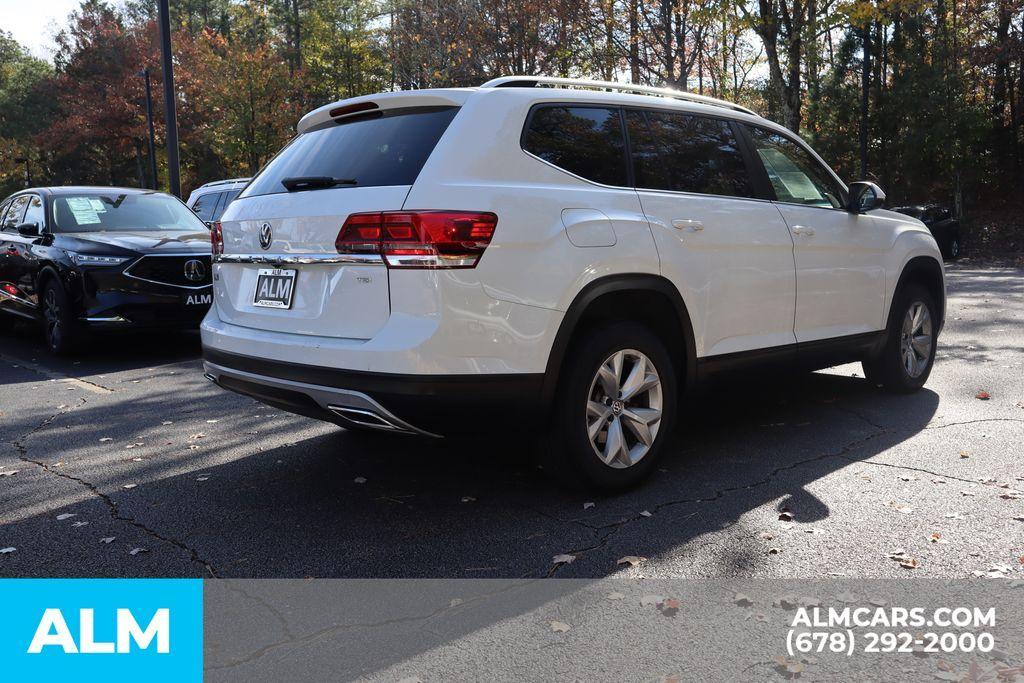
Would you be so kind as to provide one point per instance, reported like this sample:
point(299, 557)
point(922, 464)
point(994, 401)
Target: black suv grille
point(171, 270)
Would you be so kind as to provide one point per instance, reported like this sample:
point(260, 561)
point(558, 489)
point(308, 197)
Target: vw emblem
point(266, 236)
point(195, 270)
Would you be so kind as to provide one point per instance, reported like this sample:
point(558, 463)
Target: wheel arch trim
point(608, 285)
point(928, 267)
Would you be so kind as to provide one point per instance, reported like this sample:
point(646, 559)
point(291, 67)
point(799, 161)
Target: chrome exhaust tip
point(369, 418)
point(210, 377)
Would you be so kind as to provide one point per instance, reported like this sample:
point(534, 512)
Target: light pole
point(28, 173)
point(149, 119)
point(169, 117)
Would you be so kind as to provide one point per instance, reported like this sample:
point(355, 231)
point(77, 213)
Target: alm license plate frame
point(270, 292)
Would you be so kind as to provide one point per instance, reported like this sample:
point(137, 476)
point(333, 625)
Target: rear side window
point(205, 204)
point(586, 141)
point(686, 153)
point(226, 199)
point(380, 148)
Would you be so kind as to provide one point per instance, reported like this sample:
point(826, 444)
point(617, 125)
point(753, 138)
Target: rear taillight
point(217, 238)
point(419, 239)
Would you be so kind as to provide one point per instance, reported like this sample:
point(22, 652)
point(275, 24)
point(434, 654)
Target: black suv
point(945, 228)
point(77, 258)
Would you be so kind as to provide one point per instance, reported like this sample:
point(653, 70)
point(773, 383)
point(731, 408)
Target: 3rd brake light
point(419, 239)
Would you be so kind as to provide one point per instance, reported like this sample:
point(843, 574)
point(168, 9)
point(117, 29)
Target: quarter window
point(795, 175)
point(586, 141)
point(35, 213)
point(686, 153)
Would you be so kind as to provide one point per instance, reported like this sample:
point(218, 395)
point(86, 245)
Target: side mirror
point(864, 196)
point(29, 230)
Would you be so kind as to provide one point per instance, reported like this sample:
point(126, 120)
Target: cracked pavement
point(132, 442)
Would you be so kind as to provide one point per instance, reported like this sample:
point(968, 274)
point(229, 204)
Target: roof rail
point(214, 183)
point(531, 81)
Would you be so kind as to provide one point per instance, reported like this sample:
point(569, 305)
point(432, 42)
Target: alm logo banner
point(102, 628)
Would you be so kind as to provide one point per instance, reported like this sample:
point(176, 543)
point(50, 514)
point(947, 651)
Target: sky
point(34, 23)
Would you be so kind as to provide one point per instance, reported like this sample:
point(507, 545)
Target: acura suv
point(76, 259)
point(541, 251)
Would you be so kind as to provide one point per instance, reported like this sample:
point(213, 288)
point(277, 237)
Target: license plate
point(274, 288)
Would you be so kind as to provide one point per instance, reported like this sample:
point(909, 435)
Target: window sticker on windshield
point(97, 205)
point(83, 211)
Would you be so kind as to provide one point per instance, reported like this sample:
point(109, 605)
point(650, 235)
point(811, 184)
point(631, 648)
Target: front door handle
point(686, 223)
point(803, 230)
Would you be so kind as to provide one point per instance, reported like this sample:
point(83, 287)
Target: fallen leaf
point(77, 524)
point(563, 559)
point(645, 513)
point(195, 437)
point(587, 505)
point(66, 515)
point(774, 551)
point(936, 537)
point(167, 422)
point(559, 627)
point(742, 600)
point(785, 515)
point(905, 509)
point(632, 560)
point(789, 668)
point(468, 499)
point(909, 563)
point(129, 486)
point(669, 607)
point(964, 454)
point(105, 439)
point(4, 551)
point(212, 421)
point(202, 479)
point(136, 551)
point(982, 396)
point(8, 473)
point(108, 539)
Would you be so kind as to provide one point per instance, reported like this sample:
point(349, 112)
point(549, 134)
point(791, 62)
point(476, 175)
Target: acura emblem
point(195, 270)
point(266, 236)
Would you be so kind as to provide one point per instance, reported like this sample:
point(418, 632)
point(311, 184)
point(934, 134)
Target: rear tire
point(614, 410)
point(60, 329)
point(906, 361)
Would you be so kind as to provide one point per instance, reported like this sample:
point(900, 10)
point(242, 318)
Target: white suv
point(574, 252)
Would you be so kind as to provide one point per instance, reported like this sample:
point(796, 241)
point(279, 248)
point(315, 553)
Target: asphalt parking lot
point(126, 462)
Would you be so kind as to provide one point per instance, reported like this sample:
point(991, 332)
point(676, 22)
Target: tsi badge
point(53, 631)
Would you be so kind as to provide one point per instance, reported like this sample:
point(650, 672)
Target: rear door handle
point(686, 223)
point(803, 230)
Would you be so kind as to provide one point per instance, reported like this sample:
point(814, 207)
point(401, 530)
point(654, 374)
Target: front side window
point(686, 153)
point(15, 211)
point(795, 175)
point(585, 141)
point(112, 212)
point(35, 213)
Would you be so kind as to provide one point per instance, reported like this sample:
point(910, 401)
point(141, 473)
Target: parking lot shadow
point(296, 498)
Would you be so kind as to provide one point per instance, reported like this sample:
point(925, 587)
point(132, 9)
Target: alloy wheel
point(916, 339)
point(624, 408)
point(51, 312)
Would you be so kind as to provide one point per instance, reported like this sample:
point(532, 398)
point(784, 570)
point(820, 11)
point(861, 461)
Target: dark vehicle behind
point(80, 258)
point(944, 226)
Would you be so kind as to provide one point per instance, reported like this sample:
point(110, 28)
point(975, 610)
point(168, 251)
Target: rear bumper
point(431, 405)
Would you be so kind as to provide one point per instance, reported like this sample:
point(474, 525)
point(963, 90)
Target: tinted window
point(35, 213)
point(796, 176)
point(102, 212)
point(3, 210)
point(686, 153)
point(587, 141)
point(205, 204)
point(381, 148)
point(15, 211)
point(226, 199)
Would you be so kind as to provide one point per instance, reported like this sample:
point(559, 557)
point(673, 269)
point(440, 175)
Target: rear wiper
point(314, 182)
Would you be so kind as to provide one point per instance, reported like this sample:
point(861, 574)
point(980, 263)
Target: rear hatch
point(280, 269)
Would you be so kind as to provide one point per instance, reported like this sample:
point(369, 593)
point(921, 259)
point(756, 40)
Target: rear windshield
point(382, 148)
point(111, 212)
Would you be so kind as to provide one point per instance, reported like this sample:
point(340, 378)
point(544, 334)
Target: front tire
point(614, 410)
point(906, 361)
point(60, 332)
